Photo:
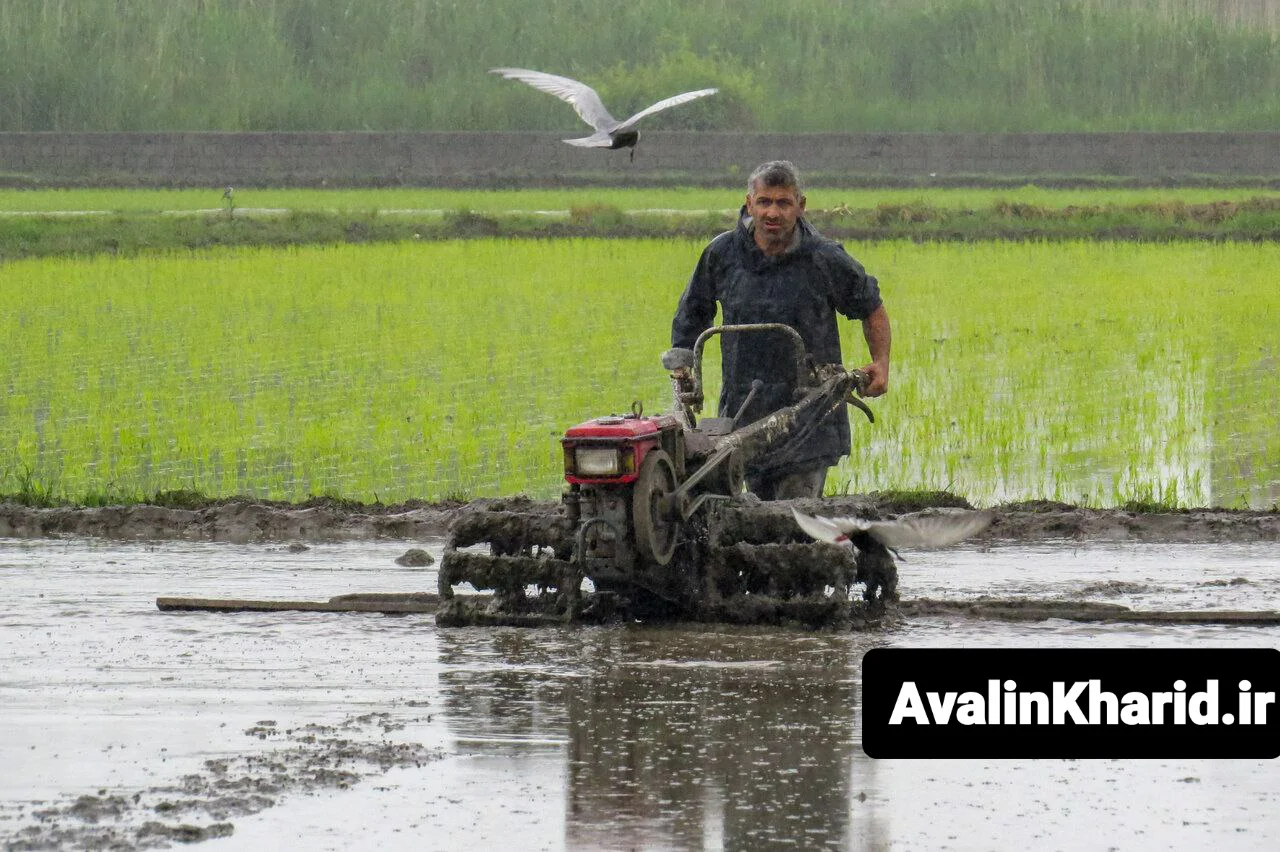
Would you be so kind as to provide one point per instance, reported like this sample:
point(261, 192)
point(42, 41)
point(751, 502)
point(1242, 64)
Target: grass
point(39, 224)
point(1096, 373)
point(961, 65)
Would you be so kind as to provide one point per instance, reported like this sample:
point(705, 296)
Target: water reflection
point(676, 739)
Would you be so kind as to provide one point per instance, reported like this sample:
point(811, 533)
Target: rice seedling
point(1095, 373)
point(1089, 373)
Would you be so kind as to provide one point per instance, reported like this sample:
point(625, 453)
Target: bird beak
point(819, 528)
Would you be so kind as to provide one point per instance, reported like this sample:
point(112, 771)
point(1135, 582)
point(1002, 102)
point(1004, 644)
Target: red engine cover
point(638, 434)
point(620, 427)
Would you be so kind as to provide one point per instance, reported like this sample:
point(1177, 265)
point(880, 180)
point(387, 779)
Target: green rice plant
point(1087, 373)
point(1096, 373)
point(411, 370)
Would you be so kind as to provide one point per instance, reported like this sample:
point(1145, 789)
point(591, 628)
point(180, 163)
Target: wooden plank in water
point(427, 602)
point(1200, 617)
point(415, 602)
point(1088, 611)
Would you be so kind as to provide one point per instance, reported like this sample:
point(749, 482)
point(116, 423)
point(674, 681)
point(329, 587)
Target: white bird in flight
point(929, 529)
point(610, 133)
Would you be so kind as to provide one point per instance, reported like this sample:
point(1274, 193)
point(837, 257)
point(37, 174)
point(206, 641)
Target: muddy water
point(322, 731)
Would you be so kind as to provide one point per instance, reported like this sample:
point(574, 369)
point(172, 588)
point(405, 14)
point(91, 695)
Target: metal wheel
point(655, 533)
point(731, 476)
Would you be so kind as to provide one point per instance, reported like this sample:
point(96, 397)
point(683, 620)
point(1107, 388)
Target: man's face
point(775, 210)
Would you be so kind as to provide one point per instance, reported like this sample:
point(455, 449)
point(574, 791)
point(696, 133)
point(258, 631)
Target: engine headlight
point(597, 461)
point(600, 460)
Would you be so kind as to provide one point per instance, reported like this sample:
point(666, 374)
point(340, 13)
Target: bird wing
point(674, 100)
point(931, 529)
point(833, 530)
point(595, 140)
point(583, 98)
point(921, 530)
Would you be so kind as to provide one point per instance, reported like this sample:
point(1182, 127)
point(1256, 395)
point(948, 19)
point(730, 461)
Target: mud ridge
point(244, 521)
point(238, 521)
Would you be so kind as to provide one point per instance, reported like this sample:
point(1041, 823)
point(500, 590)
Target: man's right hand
point(875, 328)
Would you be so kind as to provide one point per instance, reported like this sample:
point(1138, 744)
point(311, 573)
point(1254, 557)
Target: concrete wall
point(215, 159)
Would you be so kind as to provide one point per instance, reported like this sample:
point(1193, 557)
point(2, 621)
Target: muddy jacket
point(803, 288)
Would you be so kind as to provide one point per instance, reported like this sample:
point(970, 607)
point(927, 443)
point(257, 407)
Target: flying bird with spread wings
point(610, 133)
point(923, 530)
point(873, 541)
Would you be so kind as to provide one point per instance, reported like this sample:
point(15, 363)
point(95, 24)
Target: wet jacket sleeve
point(697, 309)
point(854, 293)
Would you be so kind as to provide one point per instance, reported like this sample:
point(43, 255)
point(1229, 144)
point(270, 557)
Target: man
point(774, 267)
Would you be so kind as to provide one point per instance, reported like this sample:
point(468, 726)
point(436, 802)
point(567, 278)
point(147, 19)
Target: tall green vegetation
point(782, 65)
point(1101, 373)
point(253, 201)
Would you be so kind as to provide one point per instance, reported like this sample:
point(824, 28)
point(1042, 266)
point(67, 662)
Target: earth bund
point(245, 521)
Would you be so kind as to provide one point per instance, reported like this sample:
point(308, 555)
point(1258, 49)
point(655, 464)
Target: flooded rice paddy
point(126, 726)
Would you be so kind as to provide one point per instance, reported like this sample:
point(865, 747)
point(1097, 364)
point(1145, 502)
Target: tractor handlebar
point(686, 365)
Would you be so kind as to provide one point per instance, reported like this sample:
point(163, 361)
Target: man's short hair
point(778, 174)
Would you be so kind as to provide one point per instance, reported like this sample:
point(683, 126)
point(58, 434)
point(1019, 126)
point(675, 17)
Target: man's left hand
point(879, 379)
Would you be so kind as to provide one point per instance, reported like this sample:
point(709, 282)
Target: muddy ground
point(243, 521)
point(513, 703)
point(203, 805)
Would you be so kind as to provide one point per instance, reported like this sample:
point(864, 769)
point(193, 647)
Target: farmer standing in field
point(774, 267)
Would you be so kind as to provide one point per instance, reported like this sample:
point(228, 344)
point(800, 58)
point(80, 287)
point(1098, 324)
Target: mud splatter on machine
point(655, 517)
